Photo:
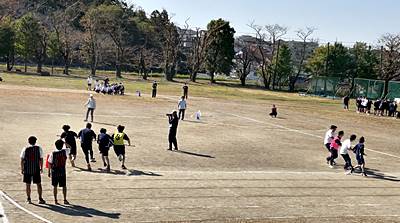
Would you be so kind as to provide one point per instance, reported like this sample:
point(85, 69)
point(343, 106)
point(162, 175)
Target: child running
point(57, 173)
point(105, 142)
point(334, 147)
point(70, 142)
point(344, 152)
point(359, 151)
point(329, 136)
point(119, 147)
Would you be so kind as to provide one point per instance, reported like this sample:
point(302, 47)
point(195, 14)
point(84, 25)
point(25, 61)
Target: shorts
point(60, 181)
point(119, 150)
point(72, 150)
point(328, 147)
point(28, 178)
point(104, 150)
point(360, 160)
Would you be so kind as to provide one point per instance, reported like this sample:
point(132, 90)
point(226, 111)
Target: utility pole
point(326, 61)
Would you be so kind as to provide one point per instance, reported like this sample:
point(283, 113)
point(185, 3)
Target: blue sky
point(343, 20)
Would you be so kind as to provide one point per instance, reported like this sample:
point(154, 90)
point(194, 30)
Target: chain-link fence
point(336, 87)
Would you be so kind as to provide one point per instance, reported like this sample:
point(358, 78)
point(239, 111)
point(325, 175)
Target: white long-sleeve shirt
point(91, 103)
point(182, 104)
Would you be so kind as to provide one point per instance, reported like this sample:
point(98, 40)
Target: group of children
point(382, 107)
point(65, 147)
point(105, 87)
point(335, 144)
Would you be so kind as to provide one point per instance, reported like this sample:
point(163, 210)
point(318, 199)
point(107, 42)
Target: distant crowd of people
point(381, 107)
point(105, 87)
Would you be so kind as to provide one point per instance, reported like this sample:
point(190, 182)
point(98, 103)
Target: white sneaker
point(330, 166)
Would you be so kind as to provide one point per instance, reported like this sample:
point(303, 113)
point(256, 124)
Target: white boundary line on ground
point(3, 215)
point(302, 132)
point(5, 196)
point(74, 114)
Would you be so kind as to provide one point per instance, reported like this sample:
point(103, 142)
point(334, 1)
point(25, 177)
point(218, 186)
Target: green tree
point(91, 39)
point(332, 61)
point(220, 51)
point(7, 40)
point(28, 38)
point(116, 22)
point(53, 49)
point(168, 37)
point(282, 65)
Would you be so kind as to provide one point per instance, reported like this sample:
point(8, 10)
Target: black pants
point(172, 139)
point(87, 149)
point(185, 94)
point(347, 161)
point(154, 93)
point(181, 111)
point(333, 156)
point(89, 110)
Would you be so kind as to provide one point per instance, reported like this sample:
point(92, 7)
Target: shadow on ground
point(104, 123)
point(375, 174)
point(78, 210)
point(194, 154)
point(131, 172)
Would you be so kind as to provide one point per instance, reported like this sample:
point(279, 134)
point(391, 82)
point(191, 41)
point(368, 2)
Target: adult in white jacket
point(91, 106)
point(182, 107)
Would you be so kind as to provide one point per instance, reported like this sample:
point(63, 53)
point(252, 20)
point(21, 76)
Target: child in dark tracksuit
point(359, 151)
point(105, 142)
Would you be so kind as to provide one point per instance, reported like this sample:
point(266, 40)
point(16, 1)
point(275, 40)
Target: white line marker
point(75, 114)
point(5, 196)
point(3, 215)
point(302, 132)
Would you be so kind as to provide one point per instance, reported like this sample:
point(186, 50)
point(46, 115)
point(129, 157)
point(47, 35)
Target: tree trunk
point(25, 65)
point(193, 76)
point(118, 64)
point(243, 81)
point(66, 63)
point(118, 70)
point(66, 68)
point(52, 66)
point(39, 67)
point(8, 64)
point(212, 77)
point(93, 65)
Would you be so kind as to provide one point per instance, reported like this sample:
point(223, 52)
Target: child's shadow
point(77, 210)
point(131, 172)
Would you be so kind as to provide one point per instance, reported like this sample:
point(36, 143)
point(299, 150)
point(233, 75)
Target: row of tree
point(109, 33)
point(280, 68)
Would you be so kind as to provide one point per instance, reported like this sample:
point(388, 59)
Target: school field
point(235, 165)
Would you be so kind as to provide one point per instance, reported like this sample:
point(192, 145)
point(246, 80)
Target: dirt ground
point(235, 165)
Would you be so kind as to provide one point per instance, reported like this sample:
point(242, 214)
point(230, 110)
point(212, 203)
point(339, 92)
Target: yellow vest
point(119, 138)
